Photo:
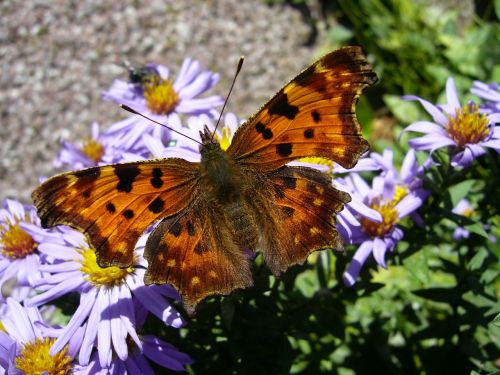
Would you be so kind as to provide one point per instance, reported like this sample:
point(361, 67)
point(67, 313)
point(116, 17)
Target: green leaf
point(496, 321)
point(405, 111)
point(477, 228)
point(459, 191)
point(477, 260)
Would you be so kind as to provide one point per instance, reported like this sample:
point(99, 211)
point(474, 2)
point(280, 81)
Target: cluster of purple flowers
point(104, 334)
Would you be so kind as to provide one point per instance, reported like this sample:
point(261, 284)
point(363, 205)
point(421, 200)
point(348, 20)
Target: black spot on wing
point(126, 175)
point(309, 133)
point(88, 174)
point(290, 182)
point(289, 211)
point(267, 133)
point(260, 127)
point(200, 249)
point(316, 116)
point(284, 149)
point(110, 207)
point(281, 107)
point(279, 191)
point(191, 229)
point(156, 181)
point(156, 206)
point(128, 214)
point(176, 229)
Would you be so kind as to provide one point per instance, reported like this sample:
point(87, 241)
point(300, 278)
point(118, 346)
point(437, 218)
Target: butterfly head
point(208, 142)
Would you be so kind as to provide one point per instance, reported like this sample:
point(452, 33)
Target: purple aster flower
point(491, 95)
point(162, 99)
point(19, 255)
point(108, 296)
point(378, 237)
point(463, 129)
point(98, 149)
point(463, 208)
point(152, 348)
point(25, 343)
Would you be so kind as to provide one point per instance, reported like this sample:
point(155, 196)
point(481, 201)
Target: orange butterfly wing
point(313, 115)
point(301, 217)
point(114, 204)
point(194, 251)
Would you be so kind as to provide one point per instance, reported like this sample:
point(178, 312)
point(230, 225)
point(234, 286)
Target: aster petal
point(118, 333)
point(409, 168)
point(200, 84)
point(492, 143)
point(189, 70)
point(425, 127)
point(17, 324)
point(16, 208)
point(430, 142)
point(434, 111)
point(87, 302)
point(451, 95)
point(89, 336)
point(379, 249)
point(360, 185)
point(494, 118)
point(162, 71)
point(199, 105)
point(357, 262)
point(155, 303)
point(164, 354)
point(57, 251)
point(104, 333)
point(409, 204)
point(56, 291)
point(365, 211)
point(127, 315)
point(141, 364)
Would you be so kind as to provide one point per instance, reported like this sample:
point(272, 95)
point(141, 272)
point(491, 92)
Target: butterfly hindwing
point(194, 251)
point(313, 115)
point(300, 218)
point(114, 204)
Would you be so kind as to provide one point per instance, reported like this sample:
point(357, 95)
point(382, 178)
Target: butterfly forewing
point(313, 115)
point(113, 205)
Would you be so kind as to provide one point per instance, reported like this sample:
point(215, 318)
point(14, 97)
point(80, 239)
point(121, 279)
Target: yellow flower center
point(99, 276)
point(160, 96)
point(226, 138)
point(468, 212)
point(320, 161)
point(15, 243)
point(468, 125)
point(93, 149)
point(389, 216)
point(35, 359)
point(400, 193)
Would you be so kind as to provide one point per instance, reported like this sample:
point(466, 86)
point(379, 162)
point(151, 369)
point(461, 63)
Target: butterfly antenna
point(131, 110)
point(240, 64)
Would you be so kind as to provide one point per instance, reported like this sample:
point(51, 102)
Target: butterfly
point(246, 197)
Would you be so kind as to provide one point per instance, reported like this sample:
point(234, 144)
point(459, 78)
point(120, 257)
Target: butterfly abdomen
point(243, 224)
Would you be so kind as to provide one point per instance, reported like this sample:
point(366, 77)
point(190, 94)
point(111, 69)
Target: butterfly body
point(245, 197)
point(228, 190)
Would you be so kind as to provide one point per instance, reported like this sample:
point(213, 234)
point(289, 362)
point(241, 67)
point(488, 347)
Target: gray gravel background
point(56, 57)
